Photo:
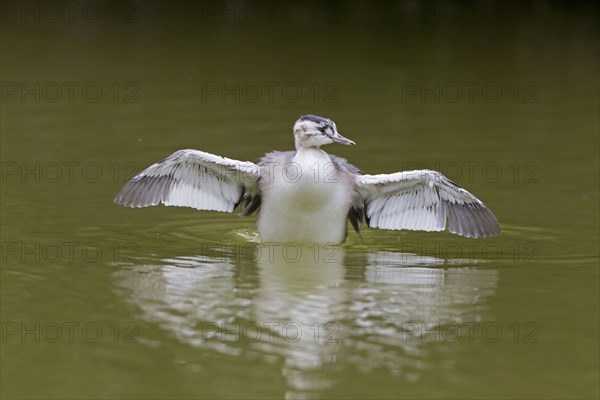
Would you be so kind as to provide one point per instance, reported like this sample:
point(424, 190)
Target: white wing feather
point(423, 200)
point(191, 178)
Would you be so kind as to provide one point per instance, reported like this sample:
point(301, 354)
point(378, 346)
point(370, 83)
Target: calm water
point(100, 301)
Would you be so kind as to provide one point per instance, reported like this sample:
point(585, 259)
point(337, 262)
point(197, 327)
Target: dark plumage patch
point(355, 215)
point(367, 219)
point(250, 204)
point(314, 118)
point(241, 198)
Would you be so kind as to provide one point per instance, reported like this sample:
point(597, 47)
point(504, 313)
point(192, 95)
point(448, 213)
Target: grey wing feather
point(192, 178)
point(424, 200)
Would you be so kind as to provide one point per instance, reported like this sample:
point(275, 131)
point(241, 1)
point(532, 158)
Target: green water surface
point(101, 301)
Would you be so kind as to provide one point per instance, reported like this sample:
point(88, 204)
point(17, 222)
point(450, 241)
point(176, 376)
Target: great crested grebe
point(306, 195)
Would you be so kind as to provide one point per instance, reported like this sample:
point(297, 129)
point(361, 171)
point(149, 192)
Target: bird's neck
point(308, 151)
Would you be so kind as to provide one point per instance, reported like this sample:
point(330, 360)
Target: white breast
point(304, 200)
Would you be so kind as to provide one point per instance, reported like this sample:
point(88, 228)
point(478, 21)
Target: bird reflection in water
point(303, 308)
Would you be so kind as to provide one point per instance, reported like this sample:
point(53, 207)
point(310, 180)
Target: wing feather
point(424, 200)
point(192, 178)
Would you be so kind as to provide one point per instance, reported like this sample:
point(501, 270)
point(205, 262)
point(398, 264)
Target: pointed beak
point(337, 138)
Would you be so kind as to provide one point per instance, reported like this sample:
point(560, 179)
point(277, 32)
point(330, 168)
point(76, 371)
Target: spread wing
point(423, 200)
point(192, 178)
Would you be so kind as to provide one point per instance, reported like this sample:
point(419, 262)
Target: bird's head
point(314, 131)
